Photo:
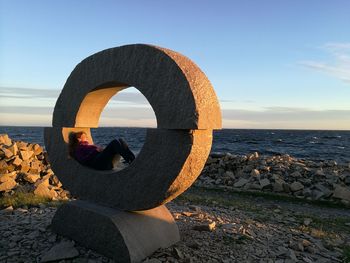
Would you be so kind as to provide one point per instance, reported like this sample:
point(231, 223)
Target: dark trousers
point(103, 160)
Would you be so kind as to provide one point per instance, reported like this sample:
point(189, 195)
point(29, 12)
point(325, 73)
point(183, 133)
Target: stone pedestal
point(123, 236)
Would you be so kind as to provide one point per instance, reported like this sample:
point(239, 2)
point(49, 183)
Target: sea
point(316, 145)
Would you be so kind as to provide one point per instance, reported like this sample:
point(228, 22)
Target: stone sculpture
point(121, 213)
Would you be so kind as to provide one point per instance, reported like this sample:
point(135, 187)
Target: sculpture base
point(123, 236)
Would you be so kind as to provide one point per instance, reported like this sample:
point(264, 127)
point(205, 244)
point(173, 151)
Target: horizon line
point(224, 128)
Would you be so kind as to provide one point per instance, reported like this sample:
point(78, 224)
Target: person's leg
point(104, 160)
point(130, 155)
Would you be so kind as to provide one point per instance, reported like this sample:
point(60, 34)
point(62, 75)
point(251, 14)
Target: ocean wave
point(332, 137)
point(300, 144)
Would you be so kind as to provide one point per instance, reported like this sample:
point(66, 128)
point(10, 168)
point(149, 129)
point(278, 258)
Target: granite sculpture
point(124, 202)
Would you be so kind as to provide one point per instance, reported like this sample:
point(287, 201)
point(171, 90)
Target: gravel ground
point(249, 230)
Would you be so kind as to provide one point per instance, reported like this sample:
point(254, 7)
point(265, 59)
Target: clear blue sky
point(273, 63)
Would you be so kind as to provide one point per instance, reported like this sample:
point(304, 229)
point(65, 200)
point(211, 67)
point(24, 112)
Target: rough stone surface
point(32, 178)
point(178, 91)
point(312, 180)
point(296, 186)
point(125, 236)
point(4, 139)
point(186, 108)
point(8, 185)
point(63, 250)
point(342, 193)
point(7, 176)
point(241, 182)
point(45, 191)
point(167, 165)
point(25, 155)
point(265, 183)
point(24, 176)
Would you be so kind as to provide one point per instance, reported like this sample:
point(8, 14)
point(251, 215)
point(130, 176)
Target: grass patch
point(220, 197)
point(270, 196)
point(212, 200)
point(336, 224)
point(235, 240)
point(24, 199)
point(346, 254)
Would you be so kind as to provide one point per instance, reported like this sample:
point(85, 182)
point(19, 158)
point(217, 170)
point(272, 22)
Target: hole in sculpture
point(125, 115)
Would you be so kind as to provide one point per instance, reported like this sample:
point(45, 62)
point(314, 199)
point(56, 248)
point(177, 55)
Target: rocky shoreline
point(24, 168)
point(280, 174)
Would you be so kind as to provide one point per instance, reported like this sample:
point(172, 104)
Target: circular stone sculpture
point(186, 108)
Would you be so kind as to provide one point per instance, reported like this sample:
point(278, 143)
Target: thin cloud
point(339, 66)
point(109, 112)
point(285, 109)
point(27, 93)
point(130, 97)
point(268, 117)
point(30, 93)
point(26, 110)
point(271, 114)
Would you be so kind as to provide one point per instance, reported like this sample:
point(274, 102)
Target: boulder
point(205, 227)
point(61, 251)
point(8, 185)
point(26, 155)
point(255, 173)
point(54, 181)
point(316, 194)
point(320, 172)
point(341, 192)
point(241, 182)
point(296, 186)
point(43, 181)
point(8, 154)
point(31, 178)
point(4, 139)
point(253, 186)
point(22, 145)
point(307, 192)
point(36, 164)
point(347, 179)
point(296, 174)
point(25, 166)
point(265, 183)
point(17, 161)
point(324, 191)
point(10, 168)
point(230, 174)
point(45, 191)
point(7, 176)
point(13, 149)
point(278, 186)
point(286, 187)
point(37, 149)
point(3, 164)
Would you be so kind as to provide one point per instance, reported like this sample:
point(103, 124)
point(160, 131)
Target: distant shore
point(302, 144)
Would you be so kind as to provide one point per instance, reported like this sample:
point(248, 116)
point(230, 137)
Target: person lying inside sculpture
point(96, 157)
